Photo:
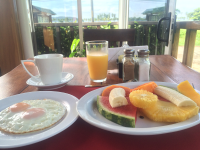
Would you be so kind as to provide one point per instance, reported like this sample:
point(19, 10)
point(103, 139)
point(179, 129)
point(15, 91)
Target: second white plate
point(16, 140)
point(87, 110)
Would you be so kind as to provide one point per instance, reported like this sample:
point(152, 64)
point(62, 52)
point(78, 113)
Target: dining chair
point(115, 37)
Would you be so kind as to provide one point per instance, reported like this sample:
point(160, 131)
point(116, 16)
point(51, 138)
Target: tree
point(194, 15)
point(177, 11)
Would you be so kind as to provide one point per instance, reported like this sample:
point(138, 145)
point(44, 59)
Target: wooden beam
point(33, 34)
point(175, 44)
point(92, 10)
point(94, 23)
point(25, 28)
point(11, 47)
point(183, 25)
point(72, 32)
point(143, 22)
point(46, 41)
point(80, 23)
point(189, 25)
point(189, 47)
point(58, 41)
point(123, 14)
point(146, 34)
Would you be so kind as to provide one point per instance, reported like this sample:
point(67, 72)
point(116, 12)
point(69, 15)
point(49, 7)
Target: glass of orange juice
point(97, 59)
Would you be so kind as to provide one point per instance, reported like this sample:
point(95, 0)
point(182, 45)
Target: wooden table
point(164, 68)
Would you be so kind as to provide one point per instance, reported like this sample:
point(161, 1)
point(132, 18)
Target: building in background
point(154, 14)
point(42, 15)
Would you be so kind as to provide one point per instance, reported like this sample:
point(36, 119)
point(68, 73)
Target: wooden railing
point(92, 23)
point(138, 41)
point(192, 27)
point(58, 25)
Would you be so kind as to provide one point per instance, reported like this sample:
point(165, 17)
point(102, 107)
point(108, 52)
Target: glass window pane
point(86, 10)
point(106, 10)
point(187, 10)
point(147, 10)
point(101, 12)
point(56, 10)
point(147, 13)
point(52, 37)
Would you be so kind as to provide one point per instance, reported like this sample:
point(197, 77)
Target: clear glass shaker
point(142, 67)
point(128, 65)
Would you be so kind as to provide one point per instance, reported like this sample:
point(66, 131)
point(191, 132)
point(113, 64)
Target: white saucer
point(66, 77)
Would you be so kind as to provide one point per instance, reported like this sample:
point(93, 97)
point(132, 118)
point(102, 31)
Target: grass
point(182, 38)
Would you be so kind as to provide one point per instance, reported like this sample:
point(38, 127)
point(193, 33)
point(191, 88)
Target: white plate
point(66, 77)
point(16, 140)
point(87, 110)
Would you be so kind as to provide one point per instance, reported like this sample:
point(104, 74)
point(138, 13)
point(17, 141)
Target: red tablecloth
point(83, 136)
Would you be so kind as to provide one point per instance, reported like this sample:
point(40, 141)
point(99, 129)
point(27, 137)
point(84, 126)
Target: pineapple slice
point(143, 98)
point(168, 112)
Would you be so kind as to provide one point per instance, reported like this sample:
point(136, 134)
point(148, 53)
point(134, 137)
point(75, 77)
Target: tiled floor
point(196, 57)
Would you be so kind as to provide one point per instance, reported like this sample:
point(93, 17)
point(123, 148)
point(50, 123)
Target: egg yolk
point(33, 113)
point(19, 107)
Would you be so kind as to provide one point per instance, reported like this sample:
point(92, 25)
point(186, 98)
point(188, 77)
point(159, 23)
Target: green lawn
point(182, 38)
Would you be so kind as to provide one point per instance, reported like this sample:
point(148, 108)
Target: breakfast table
point(82, 135)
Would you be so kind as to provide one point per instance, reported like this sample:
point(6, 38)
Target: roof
point(154, 10)
point(49, 11)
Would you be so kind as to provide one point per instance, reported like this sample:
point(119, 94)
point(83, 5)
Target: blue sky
point(187, 6)
point(68, 8)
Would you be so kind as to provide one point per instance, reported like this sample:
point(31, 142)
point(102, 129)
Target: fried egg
point(31, 115)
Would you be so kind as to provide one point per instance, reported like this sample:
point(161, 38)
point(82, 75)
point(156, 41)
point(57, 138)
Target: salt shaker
point(128, 65)
point(142, 67)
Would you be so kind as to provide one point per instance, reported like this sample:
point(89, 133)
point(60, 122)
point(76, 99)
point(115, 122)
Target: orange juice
point(97, 65)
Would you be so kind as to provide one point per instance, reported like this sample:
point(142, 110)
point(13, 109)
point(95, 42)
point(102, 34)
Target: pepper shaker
point(128, 65)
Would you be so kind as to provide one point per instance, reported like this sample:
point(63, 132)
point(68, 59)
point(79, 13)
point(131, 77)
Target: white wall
point(25, 29)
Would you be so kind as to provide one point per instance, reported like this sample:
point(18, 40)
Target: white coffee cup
point(49, 67)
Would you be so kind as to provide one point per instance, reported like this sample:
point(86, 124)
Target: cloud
point(44, 0)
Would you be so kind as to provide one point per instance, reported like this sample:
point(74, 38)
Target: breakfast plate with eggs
point(35, 116)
